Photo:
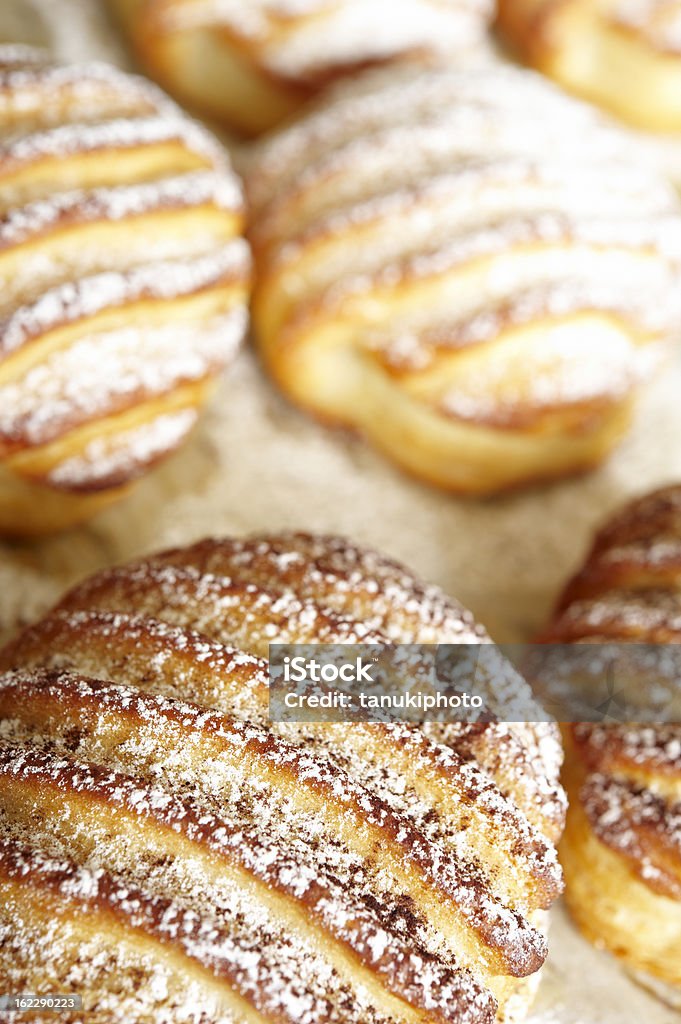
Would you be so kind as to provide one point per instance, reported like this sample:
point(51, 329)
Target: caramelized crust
point(622, 54)
point(622, 847)
point(124, 281)
point(372, 873)
point(250, 65)
point(451, 262)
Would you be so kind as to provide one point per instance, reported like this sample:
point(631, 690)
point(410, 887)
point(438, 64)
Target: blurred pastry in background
point(622, 54)
point(622, 846)
point(466, 267)
point(124, 279)
point(251, 63)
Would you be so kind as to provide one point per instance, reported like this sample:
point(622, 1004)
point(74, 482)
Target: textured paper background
point(256, 464)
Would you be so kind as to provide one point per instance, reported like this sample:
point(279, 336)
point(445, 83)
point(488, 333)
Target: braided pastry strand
point(251, 65)
point(465, 267)
point(624, 55)
point(206, 864)
point(124, 280)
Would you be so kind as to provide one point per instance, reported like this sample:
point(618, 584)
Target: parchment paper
point(254, 464)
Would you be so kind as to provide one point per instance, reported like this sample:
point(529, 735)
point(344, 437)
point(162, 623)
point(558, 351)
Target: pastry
point(465, 267)
point(622, 846)
point(622, 54)
point(250, 65)
point(123, 283)
point(207, 864)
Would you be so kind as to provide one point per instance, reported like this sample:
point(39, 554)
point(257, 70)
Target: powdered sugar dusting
point(117, 134)
point(306, 39)
point(55, 277)
point(440, 219)
point(285, 808)
point(109, 462)
point(102, 375)
point(75, 300)
point(628, 591)
point(639, 825)
point(117, 204)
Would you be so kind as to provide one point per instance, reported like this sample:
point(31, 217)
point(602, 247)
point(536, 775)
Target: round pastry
point(622, 54)
point(123, 283)
point(464, 267)
point(622, 846)
point(205, 863)
point(250, 65)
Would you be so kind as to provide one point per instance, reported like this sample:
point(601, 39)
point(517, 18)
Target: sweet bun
point(124, 282)
point(206, 863)
point(251, 64)
point(622, 850)
point(463, 266)
point(622, 54)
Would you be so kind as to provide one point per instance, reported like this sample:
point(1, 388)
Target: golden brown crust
point(382, 872)
point(124, 283)
point(622, 54)
point(251, 66)
point(622, 846)
point(449, 263)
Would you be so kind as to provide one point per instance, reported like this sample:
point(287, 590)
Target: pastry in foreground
point(207, 864)
point(124, 282)
point(622, 846)
point(465, 267)
point(251, 63)
point(622, 54)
